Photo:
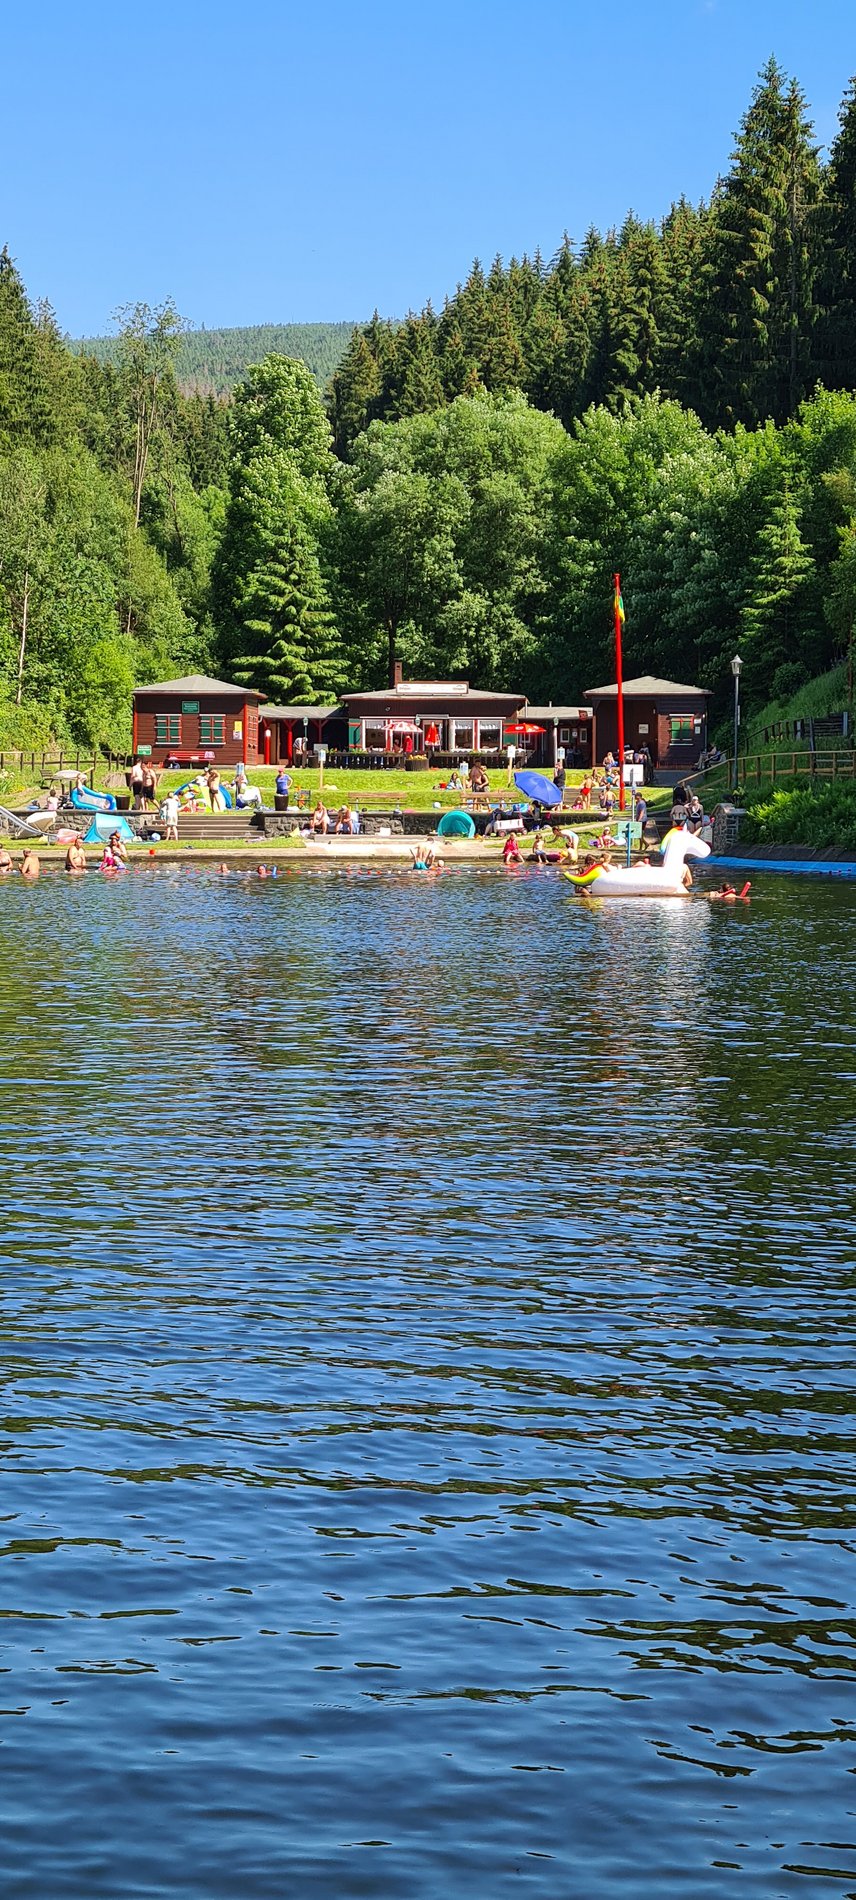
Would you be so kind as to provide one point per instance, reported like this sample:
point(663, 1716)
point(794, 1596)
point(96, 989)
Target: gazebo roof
point(647, 687)
point(195, 685)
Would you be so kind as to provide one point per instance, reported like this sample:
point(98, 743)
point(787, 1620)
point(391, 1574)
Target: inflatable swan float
point(645, 880)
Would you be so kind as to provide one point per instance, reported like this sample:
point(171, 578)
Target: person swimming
point(727, 894)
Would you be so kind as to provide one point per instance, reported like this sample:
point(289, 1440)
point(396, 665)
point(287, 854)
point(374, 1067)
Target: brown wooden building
point(196, 720)
point(669, 719)
point(433, 715)
point(296, 730)
point(564, 728)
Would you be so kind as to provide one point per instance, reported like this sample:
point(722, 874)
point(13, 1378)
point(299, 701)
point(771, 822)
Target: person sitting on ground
point(30, 864)
point(246, 795)
point(343, 819)
point(511, 850)
point(320, 818)
point(454, 782)
point(539, 853)
point(354, 821)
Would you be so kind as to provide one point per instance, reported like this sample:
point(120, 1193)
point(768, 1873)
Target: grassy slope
point(825, 694)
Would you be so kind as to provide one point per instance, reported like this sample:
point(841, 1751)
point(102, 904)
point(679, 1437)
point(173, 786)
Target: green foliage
point(823, 815)
point(440, 540)
point(291, 647)
point(276, 629)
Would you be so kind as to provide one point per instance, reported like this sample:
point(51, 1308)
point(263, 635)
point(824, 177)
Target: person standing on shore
point(170, 817)
point(283, 785)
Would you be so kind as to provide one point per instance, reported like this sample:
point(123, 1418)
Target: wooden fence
point(46, 765)
point(755, 767)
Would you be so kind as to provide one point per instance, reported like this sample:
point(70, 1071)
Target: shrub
point(807, 813)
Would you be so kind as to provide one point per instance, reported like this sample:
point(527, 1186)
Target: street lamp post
point(736, 668)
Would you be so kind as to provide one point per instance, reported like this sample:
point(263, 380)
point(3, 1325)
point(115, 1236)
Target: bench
point(175, 760)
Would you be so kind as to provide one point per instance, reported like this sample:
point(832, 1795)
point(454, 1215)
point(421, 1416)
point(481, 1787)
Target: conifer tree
point(836, 339)
point(353, 392)
point(761, 257)
point(774, 612)
point(289, 647)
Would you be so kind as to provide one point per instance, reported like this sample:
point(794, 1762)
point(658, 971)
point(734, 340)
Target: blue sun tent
point(456, 824)
point(103, 826)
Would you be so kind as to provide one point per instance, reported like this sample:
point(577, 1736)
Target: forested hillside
point(735, 308)
point(676, 402)
point(212, 362)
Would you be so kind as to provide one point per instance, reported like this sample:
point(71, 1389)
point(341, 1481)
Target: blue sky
point(268, 162)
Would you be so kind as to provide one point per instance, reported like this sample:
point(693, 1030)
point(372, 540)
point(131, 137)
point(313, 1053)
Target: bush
point(808, 813)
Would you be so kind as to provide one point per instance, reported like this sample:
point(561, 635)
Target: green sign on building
point(190, 705)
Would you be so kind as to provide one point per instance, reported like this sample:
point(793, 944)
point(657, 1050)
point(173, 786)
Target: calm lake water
point(427, 1355)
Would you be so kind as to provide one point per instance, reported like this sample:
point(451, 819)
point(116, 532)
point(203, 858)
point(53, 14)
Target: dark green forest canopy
point(213, 362)
point(675, 401)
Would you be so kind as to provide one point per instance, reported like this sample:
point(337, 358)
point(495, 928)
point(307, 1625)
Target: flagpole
point(620, 686)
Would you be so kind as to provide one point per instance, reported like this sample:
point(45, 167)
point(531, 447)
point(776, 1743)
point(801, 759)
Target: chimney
point(397, 670)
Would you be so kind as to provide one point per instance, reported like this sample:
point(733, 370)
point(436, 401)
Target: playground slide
point(92, 801)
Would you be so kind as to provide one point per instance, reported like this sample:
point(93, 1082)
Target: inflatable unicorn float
point(645, 880)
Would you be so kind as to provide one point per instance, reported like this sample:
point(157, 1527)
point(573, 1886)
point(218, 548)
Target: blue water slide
point(92, 801)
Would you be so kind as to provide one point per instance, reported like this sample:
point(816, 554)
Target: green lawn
point(412, 791)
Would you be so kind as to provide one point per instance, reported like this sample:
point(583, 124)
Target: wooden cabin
point(197, 721)
point(566, 731)
point(435, 716)
point(296, 730)
point(669, 719)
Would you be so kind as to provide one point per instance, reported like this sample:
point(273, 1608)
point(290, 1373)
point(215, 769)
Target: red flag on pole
point(618, 611)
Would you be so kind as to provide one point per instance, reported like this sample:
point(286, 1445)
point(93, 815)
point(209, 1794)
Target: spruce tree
point(760, 264)
point(289, 646)
point(836, 337)
point(353, 391)
point(775, 610)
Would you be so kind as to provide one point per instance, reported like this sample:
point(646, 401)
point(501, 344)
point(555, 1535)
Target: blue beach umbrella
point(541, 790)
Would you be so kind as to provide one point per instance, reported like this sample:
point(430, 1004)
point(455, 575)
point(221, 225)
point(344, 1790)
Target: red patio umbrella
point(524, 726)
point(404, 725)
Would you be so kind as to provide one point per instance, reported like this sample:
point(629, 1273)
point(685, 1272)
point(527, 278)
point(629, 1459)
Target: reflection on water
point(427, 1360)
